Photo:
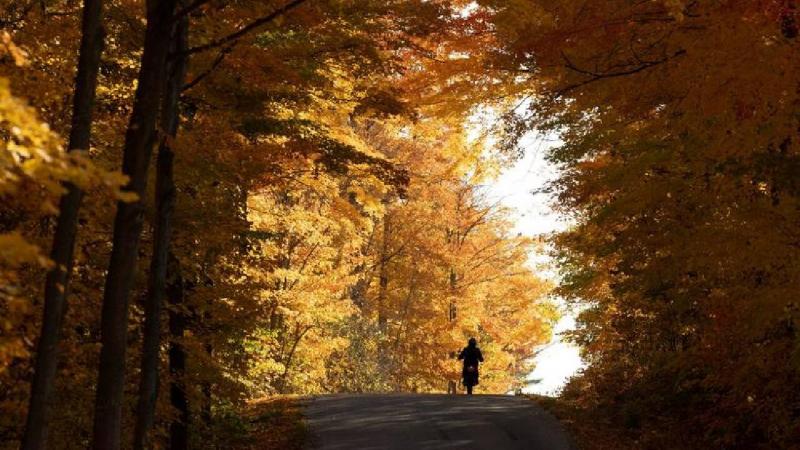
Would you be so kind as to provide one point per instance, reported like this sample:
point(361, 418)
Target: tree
point(139, 139)
point(446, 243)
point(679, 124)
point(57, 282)
point(165, 204)
point(297, 127)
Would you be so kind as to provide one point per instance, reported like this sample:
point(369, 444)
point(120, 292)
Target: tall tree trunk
point(452, 311)
point(383, 275)
point(179, 428)
point(452, 314)
point(289, 357)
point(165, 205)
point(62, 252)
point(453, 308)
point(358, 292)
point(139, 140)
point(205, 409)
point(385, 360)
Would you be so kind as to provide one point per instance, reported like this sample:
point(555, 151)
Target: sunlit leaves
point(679, 120)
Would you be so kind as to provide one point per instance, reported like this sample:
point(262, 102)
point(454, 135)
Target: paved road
point(408, 422)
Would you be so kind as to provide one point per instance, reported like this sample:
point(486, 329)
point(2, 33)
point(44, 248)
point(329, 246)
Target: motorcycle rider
point(472, 357)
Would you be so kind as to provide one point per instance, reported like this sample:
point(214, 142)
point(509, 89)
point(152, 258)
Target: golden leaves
point(8, 48)
point(15, 251)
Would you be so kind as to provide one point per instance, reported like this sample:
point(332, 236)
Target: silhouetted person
point(472, 358)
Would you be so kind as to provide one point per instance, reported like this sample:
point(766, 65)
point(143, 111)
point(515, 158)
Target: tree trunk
point(452, 312)
point(179, 428)
point(358, 292)
point(165, 205)
point(383, 275)
point(288, 360)
point(452, 307)
point(62, 252)
point(205, 410)
point(139, 140)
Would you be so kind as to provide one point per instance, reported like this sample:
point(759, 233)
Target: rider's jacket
point(471, 356)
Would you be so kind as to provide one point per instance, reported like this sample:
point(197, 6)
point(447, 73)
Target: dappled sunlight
point(432, 421)
point(216, 215)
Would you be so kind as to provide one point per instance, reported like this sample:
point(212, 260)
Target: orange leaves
point(329, 229)
point(678, 120)
point(32, 159)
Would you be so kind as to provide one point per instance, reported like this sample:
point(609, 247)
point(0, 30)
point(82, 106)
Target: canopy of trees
point(204, 202)
point(679, 167)
point(235, 199)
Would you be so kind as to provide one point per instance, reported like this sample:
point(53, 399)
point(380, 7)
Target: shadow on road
point(340, 422)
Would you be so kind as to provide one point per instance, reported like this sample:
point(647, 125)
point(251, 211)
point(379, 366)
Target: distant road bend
point(407, 422)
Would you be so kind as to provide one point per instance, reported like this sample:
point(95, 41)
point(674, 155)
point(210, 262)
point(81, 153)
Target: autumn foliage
point(302, 209)
point(327, 226)
point(679, 122)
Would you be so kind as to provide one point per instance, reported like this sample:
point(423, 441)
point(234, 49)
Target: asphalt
point(407, 421)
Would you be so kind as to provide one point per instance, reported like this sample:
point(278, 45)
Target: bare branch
point(233, 37)
point(190, 8)
point(217, 61)
point(596, 75)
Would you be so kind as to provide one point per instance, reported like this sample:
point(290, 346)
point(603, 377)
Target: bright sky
point(516, 188)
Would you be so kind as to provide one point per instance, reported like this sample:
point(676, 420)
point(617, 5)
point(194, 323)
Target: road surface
point(408, 422)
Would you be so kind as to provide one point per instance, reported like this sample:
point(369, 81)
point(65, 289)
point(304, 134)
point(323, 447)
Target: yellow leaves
point(369, 192)
point(8, 48)
point(127, 196)
point(15, 251)
point(33, 168)
point(31, 149)
point(32, 152)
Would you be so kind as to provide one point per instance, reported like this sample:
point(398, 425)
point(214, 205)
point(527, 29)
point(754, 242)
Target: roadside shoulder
point(273, 423)
point(586, 431)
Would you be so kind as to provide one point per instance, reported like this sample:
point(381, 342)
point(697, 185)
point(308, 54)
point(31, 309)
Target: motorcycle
point(470, 378)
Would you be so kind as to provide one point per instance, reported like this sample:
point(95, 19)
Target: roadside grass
point(274, 423)
point(589, 432)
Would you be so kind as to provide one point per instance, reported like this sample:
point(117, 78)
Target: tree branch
point(217, 61)
point(596, 76)
point(188, 9)
point(233, 37)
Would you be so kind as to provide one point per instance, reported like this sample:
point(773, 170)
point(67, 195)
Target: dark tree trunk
point(205, 411)
point(179, 428)
point(165, 204)
point(139, 140)
point(62, 252)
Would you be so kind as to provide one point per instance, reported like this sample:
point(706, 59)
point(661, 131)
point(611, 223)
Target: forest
point(208, 202)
